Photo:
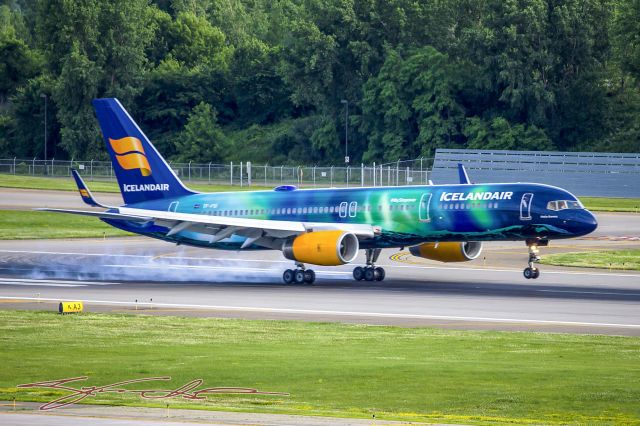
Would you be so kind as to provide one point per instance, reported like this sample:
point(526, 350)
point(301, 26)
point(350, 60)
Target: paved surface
point(148, 276)
point(26, 413)
point(22, 199)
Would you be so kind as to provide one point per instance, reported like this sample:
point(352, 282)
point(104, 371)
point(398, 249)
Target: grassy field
point(68, 184)
point(608, 259)
point(415, 374)
point(27, 225)
point(611, 204)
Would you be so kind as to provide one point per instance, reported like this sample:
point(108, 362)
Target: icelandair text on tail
point(146, 187)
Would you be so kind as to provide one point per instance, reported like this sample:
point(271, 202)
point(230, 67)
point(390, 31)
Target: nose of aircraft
point(584, 223)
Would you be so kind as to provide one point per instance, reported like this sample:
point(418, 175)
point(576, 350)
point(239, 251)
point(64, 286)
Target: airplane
point(327, 227)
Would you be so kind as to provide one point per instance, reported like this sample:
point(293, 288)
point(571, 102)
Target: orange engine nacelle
point(326, 248)
point(448, 252)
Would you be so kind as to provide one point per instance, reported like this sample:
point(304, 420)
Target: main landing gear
point(531, 272)
point(370, 272)
point(299, 276)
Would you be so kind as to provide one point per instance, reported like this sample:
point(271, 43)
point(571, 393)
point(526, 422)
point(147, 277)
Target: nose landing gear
point(370, 272)
point(299, 276)
point(531, 272)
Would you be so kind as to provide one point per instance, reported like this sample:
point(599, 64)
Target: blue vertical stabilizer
point(462, 173)
point(141, 171)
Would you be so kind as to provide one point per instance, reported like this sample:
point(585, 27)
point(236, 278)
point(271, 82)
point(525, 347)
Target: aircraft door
point(173, 206)
point(423, 210)
point(525, 206)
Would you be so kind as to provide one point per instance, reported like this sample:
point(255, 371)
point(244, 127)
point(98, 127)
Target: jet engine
point(448, 252)
point(326, 248)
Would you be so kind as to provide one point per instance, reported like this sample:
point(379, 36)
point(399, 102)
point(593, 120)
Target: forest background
point(265, 80)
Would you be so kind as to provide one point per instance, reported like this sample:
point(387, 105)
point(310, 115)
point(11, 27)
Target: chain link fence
point(406, 172)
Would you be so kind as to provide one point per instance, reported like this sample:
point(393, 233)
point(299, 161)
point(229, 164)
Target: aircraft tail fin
point(462, 173)
point(142, 173)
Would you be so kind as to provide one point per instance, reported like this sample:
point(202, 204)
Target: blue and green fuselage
point(403, 216)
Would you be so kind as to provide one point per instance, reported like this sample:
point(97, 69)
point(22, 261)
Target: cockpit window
point(564, 205)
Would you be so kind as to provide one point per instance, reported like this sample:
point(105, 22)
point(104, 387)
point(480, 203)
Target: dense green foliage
point(218, 80)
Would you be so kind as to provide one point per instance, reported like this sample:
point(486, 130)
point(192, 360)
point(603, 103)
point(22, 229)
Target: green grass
point(27, 225)
point(68, 184)
point(607, 259)
point(415, 374)
point(602, 204)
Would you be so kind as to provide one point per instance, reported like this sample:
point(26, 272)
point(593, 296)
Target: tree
point(19, 62)
point(202, 139)
point(626, 34)
point(410, 107)
point(500, 134)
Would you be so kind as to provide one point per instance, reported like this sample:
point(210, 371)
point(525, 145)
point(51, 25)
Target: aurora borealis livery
point(444, 222)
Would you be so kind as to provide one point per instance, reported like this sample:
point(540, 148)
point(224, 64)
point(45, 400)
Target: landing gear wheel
point(309, 276)
point(299, 276)
point(369, 274)
point(380, 274)
point(358, 273)
point(528, 273)
point(288, 276)
point(536, 273)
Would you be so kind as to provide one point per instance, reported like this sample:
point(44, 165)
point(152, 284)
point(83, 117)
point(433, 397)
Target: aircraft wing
point(258, 231)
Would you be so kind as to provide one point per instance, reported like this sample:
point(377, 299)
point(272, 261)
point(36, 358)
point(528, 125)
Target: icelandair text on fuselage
point(146, 187)
point(475, 196)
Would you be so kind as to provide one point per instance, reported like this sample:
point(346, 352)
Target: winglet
point(462, 172)
point(86, 195)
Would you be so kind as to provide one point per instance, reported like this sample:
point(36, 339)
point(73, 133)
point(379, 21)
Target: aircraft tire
point(299, 276)
point(369, 274)
point(358, 273)
point(528, 273)
point(288, 276)
point(536, 273)
point(309, 276)
point(380, 273)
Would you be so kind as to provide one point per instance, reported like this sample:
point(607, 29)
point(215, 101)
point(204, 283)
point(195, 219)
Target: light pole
point(346, 131)
point(42, 95)
point(45, 125)
point(346, 138)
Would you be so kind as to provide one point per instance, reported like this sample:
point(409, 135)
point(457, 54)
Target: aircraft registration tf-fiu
point(327, 227)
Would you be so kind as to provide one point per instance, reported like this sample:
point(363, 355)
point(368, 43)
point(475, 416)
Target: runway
point(146, 276)
point(141, 275)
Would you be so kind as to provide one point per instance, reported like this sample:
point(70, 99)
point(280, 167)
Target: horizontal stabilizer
point(102, 215)
point(86, 195)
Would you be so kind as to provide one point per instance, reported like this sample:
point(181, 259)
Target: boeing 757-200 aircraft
point(327, 227)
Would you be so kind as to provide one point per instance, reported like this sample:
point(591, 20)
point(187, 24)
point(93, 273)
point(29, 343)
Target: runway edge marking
point(346, 313)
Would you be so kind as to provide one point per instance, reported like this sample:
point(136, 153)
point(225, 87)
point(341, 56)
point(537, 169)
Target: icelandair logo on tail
point(130, 154)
